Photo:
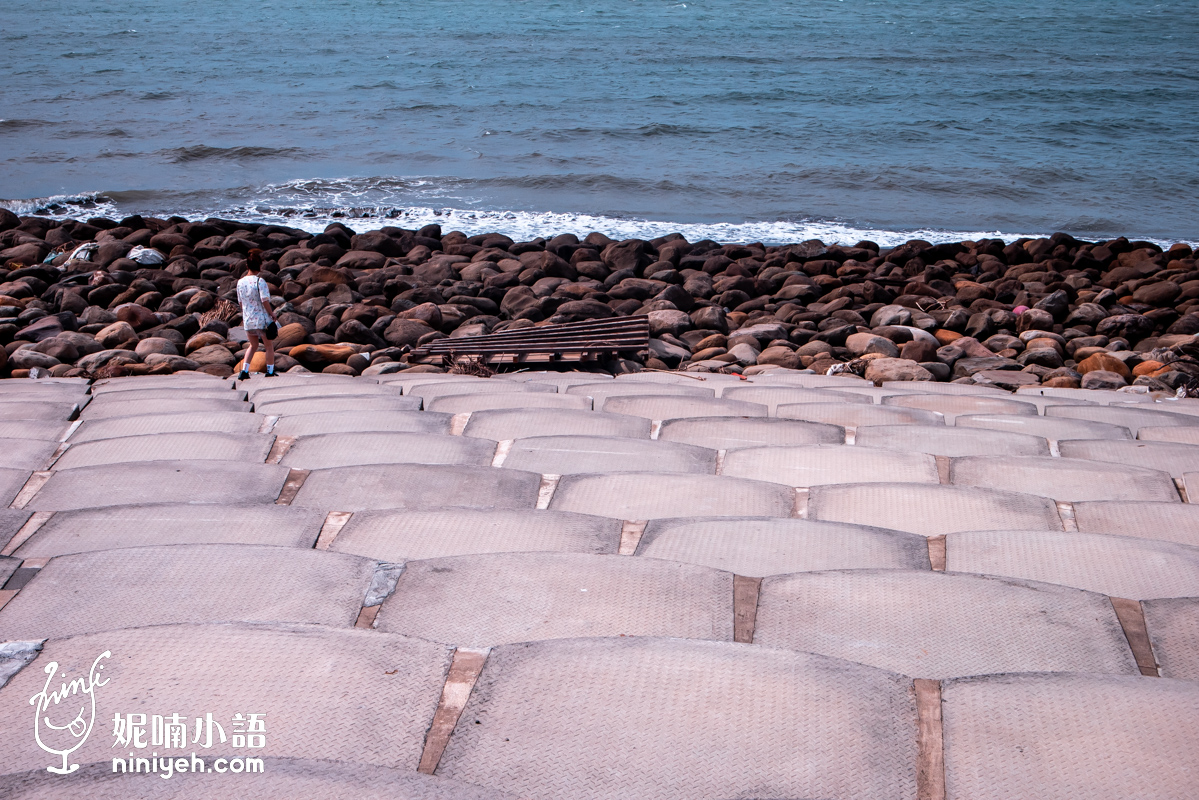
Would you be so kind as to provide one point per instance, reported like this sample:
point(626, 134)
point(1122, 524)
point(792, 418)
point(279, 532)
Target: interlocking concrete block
point(407, 535)
point(818, 465)
point(1069, 479)
point(683, 719)
point(729, 433)
point(758, 547)
point(645, 495)
point(1176, 434)
point(1059, 737)
point(567, 455)
point(521, 423)
point(354, 696)
point(148, 525)
point(1175, 459)
point(952, 406)
point(113, 405)
point(942, 625)
point(147, 424)
point(418, 487)
point(343, 403)
point(457, 386)
point(599, 392)
point(43, 430)
point(30, 454)
point(323, 422)
point(1052, 428)
point(134, 383)
point(1173, 626)
point(951, 442)
point(11, 481)
point(288, 779)
point(501, 598)
point(1132, 417)
point(774, 396)
point(1119, 566)
point(461, 403)
point(377, 447)
point(1170, 522)
point(43, 409)
point(858, 414)
point(671, 407)
point(137, 483)
point(251, 448)
point(932, 387)
point(932, 510)
point(110, 589)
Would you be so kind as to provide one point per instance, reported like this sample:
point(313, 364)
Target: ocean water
point(735, 119)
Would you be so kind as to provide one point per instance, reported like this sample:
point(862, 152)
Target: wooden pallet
point(568, 342)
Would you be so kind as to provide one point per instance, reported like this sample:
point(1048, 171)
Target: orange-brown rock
point(1106, 362)
point(1146, 368)
point(945, 336)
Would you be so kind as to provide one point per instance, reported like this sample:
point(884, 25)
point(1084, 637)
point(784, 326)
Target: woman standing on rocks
point(257, 315)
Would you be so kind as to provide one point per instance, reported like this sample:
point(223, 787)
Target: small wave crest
point(203, 152)
point(363, 205)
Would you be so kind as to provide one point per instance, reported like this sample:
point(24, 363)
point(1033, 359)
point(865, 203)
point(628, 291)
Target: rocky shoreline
point(151, 296)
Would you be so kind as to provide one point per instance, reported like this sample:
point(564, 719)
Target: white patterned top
point(252, 292)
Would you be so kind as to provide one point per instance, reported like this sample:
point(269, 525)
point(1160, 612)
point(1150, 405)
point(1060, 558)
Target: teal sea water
point(736, 119)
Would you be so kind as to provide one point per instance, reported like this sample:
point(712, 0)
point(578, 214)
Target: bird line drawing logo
point(78, 695)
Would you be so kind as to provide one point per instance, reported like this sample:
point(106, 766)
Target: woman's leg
point(270, 353)
point(250, 351)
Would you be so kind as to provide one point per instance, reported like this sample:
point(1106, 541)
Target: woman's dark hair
point(254, 260)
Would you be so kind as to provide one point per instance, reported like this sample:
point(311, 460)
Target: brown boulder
point(155, 345)
point(1103, 379)
point(1104, 362)
point(289, 335)
point(895, 369)
point(116, 333)
point(778, 355)
point(428, 313)
point(213, 354)
point(403, 332)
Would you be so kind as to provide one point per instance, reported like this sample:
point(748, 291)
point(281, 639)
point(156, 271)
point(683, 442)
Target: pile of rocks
point(1058, 310)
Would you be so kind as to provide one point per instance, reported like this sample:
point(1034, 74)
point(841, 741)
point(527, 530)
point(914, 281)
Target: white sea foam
point(520, 225)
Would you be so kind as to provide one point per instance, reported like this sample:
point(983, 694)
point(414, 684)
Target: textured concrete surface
point(147, 424)
point(644, 495)
point(672, 407)
point(322, 422)
point(819, 465)
point(1069, 479)
point(1130, 417)
point(1170, 522)
point(1173, 626)
point(1062, 737)
point(942, 625)
point(367, 696)
point(417, 487)
point(774, 396)
point(1053, 428)
point(758, 547)
point(718, 649)
point(518, 423)
point(351, 403)
point(405, 535)
point(1175, 459)
point(729, 433)
point(932, 510)
point(461, 403)
point(146, 525)
point(1119, 566)
point(27, 454)
point(951, 406)
point(135, 483)
point(858, 414)
point(572, 719)
point(378, 447)
point(110, 589)
point(567, 455)
point(950, 442)
point(114, 405)
point(289, 779)
point(501, 598)
point(251, 448)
